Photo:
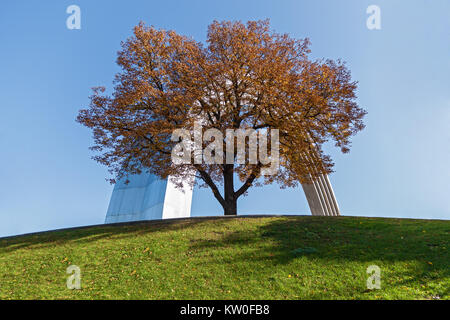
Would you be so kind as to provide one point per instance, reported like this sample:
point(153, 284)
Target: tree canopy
point(246, 76)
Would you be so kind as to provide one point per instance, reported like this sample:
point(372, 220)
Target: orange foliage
point(247, 76)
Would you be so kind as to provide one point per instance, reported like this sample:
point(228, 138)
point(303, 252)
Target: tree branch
point(248, 183)
point(206, 177)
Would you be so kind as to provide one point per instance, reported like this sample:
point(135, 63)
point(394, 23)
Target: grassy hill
point(301, 257)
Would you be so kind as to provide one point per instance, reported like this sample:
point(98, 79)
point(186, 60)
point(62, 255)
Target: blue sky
point(398, 166)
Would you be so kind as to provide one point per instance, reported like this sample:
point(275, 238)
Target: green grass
point(299, 257)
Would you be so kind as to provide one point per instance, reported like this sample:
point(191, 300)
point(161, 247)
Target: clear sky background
point(398, 166)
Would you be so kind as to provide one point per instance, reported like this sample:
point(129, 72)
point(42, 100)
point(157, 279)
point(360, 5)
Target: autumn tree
point(245, 77)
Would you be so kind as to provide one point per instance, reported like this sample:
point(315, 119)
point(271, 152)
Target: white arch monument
point(147, 197)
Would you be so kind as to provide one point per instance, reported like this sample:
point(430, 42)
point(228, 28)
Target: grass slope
point(300, 257)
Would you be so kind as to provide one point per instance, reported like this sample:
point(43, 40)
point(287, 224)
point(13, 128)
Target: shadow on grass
point(338, 240)
point(104, 231)
point(92, 233)
point(347, 238)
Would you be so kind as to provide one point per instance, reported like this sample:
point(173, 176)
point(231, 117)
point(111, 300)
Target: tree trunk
point(230, 207)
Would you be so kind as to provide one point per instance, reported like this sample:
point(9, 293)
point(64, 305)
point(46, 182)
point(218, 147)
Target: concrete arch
point(320, 197)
